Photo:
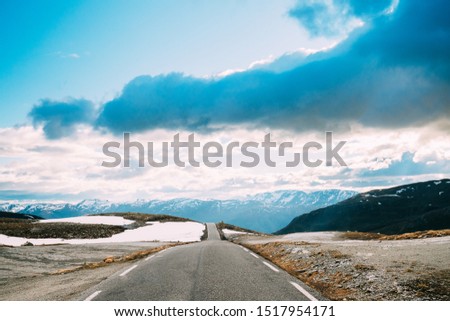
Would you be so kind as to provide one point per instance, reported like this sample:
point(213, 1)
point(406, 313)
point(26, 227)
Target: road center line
point(148, 258)
point(128, 271)
point(303, 291)
point(251, 253)
point(271, 267)
point(93, 295)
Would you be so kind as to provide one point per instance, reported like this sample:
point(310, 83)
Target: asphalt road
point(209, 270)
point(213, 233)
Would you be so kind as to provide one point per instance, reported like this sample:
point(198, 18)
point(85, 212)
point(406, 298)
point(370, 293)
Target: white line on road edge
point(93, 295)
point(254, 255)
point(129, 270)
point(271, 267)
point(303, 291)
point(148, 258)
point(246, 250)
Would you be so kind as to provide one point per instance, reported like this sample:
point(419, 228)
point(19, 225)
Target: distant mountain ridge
point(265, 212)
point(19, 216)
point(401, 209)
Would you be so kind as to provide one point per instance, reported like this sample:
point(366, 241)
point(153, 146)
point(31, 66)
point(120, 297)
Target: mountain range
point(265, 212)
point(402, 209)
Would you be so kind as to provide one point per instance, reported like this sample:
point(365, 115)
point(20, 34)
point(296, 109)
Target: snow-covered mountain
point(298, 198)
point(266, 212)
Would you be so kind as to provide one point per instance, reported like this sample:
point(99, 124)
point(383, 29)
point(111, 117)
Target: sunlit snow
point(107, 220)
point(157, 231)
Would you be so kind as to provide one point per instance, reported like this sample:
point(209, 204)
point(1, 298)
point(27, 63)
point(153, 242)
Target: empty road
point(209, 270)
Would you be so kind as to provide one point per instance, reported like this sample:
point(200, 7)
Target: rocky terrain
point(340, 268)
point(43, 272)
point(29, 229)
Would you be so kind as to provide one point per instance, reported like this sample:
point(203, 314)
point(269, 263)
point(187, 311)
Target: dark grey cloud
point(393, 73)
point(59, 118)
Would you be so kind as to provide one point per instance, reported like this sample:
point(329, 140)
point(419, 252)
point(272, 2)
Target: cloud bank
point(59, 118)
point(36, 168)
point(392, 73)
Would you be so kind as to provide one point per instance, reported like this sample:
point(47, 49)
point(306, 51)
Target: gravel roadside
point(30, 272)
point(415, 269)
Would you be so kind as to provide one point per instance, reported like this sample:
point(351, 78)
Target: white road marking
point(254, 255)
point(303, 291)
point(271, 267)
point(128, 271)
point(148, 258)
point(92, 296)
point(246, 250)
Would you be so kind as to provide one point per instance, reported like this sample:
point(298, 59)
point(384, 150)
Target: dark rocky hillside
point(408, 208)
point(19, 216)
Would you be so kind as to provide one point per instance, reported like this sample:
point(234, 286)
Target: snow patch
point(231, 232)
point(364, 254)
point(106, 220)
point(163, 232)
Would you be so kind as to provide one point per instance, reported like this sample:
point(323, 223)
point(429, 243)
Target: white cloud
point(73, 56)
point(64, 55)
point(287, 61)
point(72, 166)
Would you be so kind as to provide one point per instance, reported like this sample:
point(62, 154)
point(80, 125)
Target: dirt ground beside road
point(33, 272)
point(413, 269)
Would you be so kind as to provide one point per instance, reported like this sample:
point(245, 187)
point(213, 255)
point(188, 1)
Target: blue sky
point(90, 49)
point(76, 74)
